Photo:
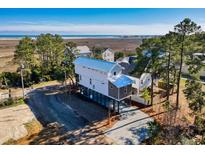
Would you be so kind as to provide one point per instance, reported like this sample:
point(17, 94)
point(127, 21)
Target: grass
point(32, 127)
point(10, 142)
point(12, 103)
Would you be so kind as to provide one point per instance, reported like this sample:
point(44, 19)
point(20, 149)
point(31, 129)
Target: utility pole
point(65, 76)
point(22, 83)
point(64, 64)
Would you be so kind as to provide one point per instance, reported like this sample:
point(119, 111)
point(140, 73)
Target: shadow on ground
point(67, 119)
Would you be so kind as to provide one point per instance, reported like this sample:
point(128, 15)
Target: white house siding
point(117, 69)
point(145, 80)
point(108, 55)
point(99, 79)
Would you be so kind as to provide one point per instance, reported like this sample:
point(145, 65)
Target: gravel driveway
point(131, 128)
point(50, 105)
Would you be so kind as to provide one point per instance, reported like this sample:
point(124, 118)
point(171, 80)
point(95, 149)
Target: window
point(111, 87)
point(125, 90)
point(93, 86)
point(80, 78)
point(90, 81)
point(114, 73)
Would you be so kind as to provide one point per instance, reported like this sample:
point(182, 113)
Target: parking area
point(53, 105)
point(76, 120)
point(131, 129)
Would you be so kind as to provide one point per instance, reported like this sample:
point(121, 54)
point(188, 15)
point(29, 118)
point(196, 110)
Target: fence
point(5, 95)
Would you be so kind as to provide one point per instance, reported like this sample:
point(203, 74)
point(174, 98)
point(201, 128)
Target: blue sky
point(95, 21)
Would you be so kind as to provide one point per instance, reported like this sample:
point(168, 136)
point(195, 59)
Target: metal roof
point(122, 81)
point(97, 64)
point(83, 49)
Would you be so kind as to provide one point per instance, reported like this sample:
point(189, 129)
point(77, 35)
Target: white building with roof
point(102, 81)
point(108, 55)
point(83, 51)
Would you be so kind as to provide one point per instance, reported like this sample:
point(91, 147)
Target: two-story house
point(102, 81)
point(108, 55)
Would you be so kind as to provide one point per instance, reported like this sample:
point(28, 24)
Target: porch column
point(118, 108)
point(109, 113)
point(114, 106)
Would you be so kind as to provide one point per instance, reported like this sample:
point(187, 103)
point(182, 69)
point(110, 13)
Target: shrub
point(13, 79)
point(11, 101)
point(119, 55)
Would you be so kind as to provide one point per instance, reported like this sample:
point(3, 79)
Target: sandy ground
point(12, 122)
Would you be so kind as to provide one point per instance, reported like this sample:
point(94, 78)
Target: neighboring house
point(200, 56)
point(108, 55)
point(185, 72)
point(102, 81)
point(144, 81)
point(128, 64)
point(83, 51)
point(140, 82)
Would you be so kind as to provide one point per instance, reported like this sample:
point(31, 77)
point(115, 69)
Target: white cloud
point(120, 29)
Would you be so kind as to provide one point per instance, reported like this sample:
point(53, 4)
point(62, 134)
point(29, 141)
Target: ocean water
point(64, 36)
point(10, 36)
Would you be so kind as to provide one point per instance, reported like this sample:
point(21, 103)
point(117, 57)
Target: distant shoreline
point(18, 37)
